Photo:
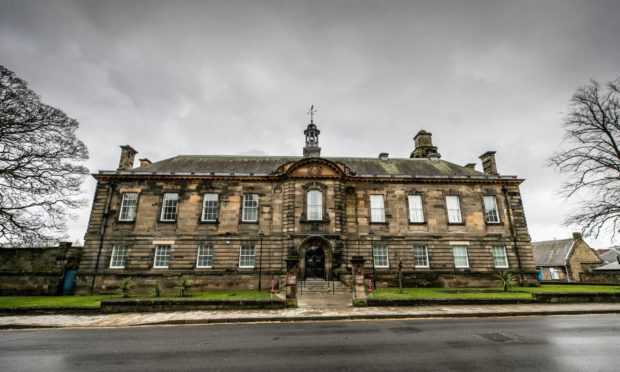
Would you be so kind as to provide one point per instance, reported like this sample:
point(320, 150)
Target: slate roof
point(609, 255)
point(551, 252)
point(615, 266)
point(263, 165)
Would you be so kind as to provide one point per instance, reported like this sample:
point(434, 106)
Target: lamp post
point(372, 254)
point(261, 236)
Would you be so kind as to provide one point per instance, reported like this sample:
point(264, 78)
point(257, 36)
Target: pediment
point(314, 168)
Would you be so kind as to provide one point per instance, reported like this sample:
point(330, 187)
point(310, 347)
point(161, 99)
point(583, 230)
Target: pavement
point(310, 309)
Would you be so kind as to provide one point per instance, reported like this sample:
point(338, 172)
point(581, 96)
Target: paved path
point(303, 313)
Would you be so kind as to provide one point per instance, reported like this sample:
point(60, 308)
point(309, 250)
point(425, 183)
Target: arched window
point(315, 205)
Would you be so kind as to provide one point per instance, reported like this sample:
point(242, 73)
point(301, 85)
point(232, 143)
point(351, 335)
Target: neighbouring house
point(609, 255)
point(564, 260)
point(234, 220)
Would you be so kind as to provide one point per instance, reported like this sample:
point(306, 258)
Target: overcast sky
point(237, 77)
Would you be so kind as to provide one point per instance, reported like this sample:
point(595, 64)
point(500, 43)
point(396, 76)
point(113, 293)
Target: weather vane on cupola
point(312, 148)
point(311, 113)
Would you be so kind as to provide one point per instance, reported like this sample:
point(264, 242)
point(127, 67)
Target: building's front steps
point(316, 293)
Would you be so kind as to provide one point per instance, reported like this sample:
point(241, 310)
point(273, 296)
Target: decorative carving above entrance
point(314, 168)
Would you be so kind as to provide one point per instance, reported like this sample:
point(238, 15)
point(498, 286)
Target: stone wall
point(582, 259)
point(36, 270)
point(604, 277)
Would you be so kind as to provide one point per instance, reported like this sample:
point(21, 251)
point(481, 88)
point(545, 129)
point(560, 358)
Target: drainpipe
point(104, 225)
point(513, 230)
point(567, 275)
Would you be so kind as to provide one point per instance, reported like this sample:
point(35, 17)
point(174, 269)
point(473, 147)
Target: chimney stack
point(128, 154)
point(424, 146)
point(144, 162)
point(384, 156)
point(577, 236)
point(488, 163)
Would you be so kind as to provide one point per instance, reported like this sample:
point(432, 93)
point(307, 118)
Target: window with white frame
point(162, 257)
point(416, 211)
point(499, 256)
point(128, 206)
point(460, 256)
point(380, 255)
point(453, 207)
point(250, 208)
point(315, 205)
point(491, 215)
point(209, 207)
point(246, 256)
point(169, 207)
point(377, 208)
point(420, 254)
point(205, 255)
point(119, 256)
point(555, 273)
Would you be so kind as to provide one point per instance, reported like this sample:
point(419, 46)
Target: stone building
point(564, 260)
point(234, 220)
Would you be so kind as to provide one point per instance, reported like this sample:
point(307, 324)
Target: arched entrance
point(315, 263)
point(316, 258)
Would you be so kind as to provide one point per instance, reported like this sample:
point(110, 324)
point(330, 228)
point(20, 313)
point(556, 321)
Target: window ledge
point(167, 222)
point(379, 223)
point(313, 221)
point(456, 223)
point(216, 222)
point(126, 221)
point(417, 223)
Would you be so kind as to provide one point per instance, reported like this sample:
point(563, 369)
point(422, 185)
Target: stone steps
point(322, 286)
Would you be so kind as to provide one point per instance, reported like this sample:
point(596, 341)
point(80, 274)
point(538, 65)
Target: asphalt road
point(551, 343)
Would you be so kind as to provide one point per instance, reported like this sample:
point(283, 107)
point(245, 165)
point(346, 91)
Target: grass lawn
point(94, 301)
point(519, 292)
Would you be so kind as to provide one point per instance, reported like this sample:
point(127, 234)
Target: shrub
point(185, 286)
point(506, 280)
point(126, 287)
point(157, 289)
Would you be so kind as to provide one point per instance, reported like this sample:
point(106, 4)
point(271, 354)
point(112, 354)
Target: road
point(551, 343)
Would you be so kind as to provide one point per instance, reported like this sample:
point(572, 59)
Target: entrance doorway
point(315, 263)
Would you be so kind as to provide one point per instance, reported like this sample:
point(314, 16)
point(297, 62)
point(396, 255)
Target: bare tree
point(593, 159)
point(40, 176)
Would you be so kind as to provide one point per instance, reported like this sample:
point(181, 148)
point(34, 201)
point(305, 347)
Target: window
point(460, 256)
point(380, 256)
point(162, 257)
point(420, 254)
point(315, 205)
point(377, 208)
point(209, 207)
point(169, 207)
point(499, 256)
point(205, 255)
point(119, 257)
point(246, 256)
point(128, 206)
point(453, 207)
point(490, 209)
point(250, 208)
point(555, 274)
point(416, 213)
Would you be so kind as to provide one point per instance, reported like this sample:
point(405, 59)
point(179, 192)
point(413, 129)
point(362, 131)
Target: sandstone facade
point(288, 221)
